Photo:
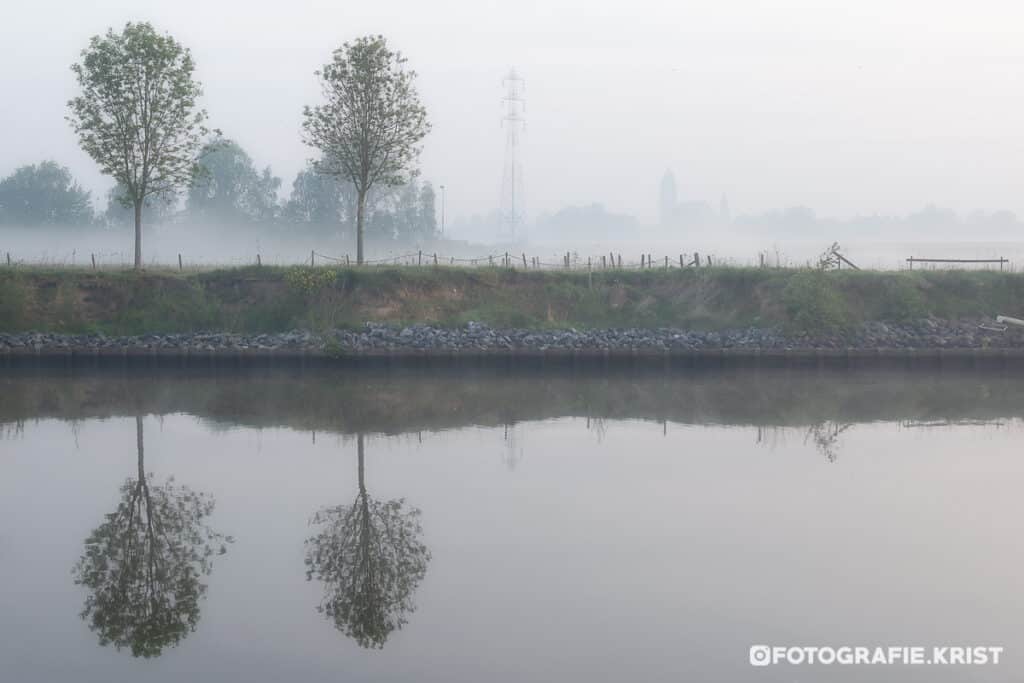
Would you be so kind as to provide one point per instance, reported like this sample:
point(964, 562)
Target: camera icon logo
point(760, 655)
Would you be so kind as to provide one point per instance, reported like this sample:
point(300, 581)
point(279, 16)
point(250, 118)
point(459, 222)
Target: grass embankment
point(268, 299)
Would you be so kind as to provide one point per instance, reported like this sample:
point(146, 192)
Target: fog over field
point(735, 128)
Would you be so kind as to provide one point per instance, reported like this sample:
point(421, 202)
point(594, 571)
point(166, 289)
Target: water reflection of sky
point(569, 548)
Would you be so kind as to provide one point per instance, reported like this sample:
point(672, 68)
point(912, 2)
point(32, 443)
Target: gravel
point(920, 334)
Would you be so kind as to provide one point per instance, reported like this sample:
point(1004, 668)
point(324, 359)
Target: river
point(504, 526)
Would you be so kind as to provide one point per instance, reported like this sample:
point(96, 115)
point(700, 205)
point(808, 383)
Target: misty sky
point(852, 107)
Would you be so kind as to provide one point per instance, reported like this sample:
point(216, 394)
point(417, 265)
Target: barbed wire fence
point(568, 261)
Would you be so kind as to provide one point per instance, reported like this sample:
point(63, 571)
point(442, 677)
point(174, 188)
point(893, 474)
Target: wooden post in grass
point(93, 257)
point(524, 260)
point(312, 258)
point(259, 262)
point(180, 267)
point(435, 258)
point(420, 262)
point(696, 259)
point(666, 263)
point(709, 260)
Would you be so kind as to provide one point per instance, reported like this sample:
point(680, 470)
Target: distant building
point(676, 214)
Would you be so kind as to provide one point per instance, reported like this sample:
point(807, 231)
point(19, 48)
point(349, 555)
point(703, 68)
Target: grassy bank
point(267, 299)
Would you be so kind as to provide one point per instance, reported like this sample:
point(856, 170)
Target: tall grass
point(265, 299)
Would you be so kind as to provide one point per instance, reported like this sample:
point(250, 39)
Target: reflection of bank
point(144, 565)
point(370, 559)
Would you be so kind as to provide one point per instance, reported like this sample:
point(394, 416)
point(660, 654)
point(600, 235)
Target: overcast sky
point(846, 107)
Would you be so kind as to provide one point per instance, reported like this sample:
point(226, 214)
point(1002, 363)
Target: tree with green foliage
point(321, 201)
point(427, 212)
point(229, 189)
point(43, 194)
point(144, 565)
point(369, 128)
point(137, 115)
point(159, 210)
point(370, 558)
point(402, 214)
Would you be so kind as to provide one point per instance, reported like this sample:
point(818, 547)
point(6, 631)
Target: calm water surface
point(268, 527)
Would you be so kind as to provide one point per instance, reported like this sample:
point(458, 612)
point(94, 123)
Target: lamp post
point(442, 209)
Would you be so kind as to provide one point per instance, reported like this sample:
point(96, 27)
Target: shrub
point(309, 280)
point(814, 304)
point(902, 300)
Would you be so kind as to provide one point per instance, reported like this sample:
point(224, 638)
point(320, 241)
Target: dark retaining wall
point(937, 359)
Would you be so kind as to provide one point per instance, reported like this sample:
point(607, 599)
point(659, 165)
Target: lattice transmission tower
point(513, 120)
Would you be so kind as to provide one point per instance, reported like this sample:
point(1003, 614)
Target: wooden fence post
point(347, 262)
point(435, 258)
point(666, 263)
point(696, 259)
point(420, 263)
point(8, 258)
point(620, 259)
point(590, 275)
point(93, 257)
point(179, 262)
point(259, 262)
point(709, 260)
point(524, 260)
point(681, 261)
point(312, 258)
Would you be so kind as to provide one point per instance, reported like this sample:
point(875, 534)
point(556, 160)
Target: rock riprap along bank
point(376, 337)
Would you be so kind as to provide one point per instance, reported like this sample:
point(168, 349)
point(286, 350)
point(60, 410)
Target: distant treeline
point(228, 191)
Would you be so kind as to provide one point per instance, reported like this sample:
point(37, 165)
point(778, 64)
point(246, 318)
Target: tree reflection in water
point(370, 559)
point(825, 436)
point(144, 565)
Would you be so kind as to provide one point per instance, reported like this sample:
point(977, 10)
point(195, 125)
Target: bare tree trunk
point(360, 217)
point(362, 483)
point(138, 234)
point(138, 443)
